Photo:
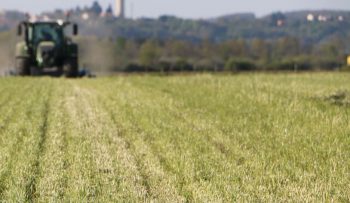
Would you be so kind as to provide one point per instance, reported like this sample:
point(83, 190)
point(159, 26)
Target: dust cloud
point(7, 52)
point(96, 55)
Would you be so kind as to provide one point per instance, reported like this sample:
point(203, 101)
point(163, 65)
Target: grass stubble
point(200, 138)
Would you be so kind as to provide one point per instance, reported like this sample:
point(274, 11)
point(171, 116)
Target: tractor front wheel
point(22, 66)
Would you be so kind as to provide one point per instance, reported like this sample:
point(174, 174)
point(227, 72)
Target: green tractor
point(46, 49)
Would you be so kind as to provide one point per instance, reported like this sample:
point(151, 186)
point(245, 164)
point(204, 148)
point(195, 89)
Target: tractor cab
point(45, 32)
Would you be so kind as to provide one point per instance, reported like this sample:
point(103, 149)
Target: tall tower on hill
point(120, 8)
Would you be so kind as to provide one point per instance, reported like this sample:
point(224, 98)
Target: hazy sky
point(184, 8)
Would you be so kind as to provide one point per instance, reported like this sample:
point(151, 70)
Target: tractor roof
point(58, 22)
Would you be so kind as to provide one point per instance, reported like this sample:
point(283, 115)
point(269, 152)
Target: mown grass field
point(198, 138)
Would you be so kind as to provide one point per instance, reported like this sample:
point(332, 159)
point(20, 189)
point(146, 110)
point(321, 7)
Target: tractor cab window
point(46, 32)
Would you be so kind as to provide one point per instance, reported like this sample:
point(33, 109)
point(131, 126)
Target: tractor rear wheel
point(71, 68)
point(22, 66)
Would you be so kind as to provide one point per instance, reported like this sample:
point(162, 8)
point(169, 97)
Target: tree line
point(151, 55)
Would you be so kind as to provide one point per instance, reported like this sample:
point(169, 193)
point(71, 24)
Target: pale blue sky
point(184, 8)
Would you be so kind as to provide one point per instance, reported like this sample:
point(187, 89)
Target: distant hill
point(308, 26)
point(306, 40)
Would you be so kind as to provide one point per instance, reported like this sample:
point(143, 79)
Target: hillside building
point(310, 17)
point(322, 18)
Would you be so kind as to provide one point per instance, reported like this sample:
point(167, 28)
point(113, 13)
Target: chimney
point(119, 8)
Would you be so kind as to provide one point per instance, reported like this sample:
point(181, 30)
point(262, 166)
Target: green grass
point(197, 138)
